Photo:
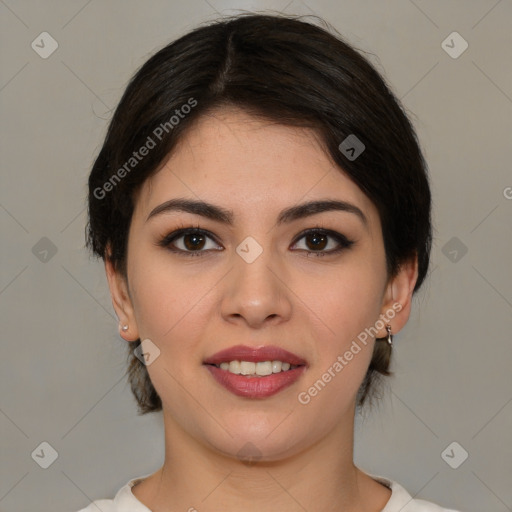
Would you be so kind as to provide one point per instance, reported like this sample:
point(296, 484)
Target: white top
point(400, 500)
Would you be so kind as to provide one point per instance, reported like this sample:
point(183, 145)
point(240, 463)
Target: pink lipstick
point(235, 369)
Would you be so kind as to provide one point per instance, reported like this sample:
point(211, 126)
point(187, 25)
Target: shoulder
point(402, 501)
point(124, 501)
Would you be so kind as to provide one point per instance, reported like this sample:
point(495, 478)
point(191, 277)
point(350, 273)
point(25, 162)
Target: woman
point(263, 211)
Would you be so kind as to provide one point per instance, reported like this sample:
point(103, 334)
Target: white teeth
point(276, 366)
point(261, 369)
point(264, 368)
point(234, 367)
point(247, 368)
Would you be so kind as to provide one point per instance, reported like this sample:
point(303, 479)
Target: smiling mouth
point(256, 369)
point(247, 381)
point(255, 372)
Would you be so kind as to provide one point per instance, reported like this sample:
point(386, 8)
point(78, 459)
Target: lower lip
point(255, 387)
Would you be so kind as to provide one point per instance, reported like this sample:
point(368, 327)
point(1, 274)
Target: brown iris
point(319, 240)
point(194, 241)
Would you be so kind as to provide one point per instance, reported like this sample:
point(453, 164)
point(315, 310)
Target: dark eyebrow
point(220, 214)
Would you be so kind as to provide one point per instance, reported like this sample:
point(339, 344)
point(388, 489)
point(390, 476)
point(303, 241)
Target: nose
point(256, 293)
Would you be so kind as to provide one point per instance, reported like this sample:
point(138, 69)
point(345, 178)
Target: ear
point(121, 301)
point(397, 301)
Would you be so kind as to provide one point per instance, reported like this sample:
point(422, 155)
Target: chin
point(260, 436)
point(249, 450)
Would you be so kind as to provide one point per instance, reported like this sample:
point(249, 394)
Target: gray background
point(61, 373)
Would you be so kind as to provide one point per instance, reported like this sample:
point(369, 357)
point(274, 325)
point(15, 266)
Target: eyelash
point(342, 240)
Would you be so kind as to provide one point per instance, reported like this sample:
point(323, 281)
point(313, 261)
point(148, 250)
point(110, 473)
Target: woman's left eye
point(317, 242)
point(196, 241)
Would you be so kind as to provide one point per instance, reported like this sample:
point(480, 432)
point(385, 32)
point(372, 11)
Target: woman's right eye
point(189, 242)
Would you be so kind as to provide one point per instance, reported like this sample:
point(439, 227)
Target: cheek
point(173, 308)
point(348, 299)
point(343, 307)
point(163, 297)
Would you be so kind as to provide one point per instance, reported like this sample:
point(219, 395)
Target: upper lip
point(255, 355)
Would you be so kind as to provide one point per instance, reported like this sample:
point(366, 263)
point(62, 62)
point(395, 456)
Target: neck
point(196, 477)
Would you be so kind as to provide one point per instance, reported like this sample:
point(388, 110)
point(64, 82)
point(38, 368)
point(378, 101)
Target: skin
point(191, 307)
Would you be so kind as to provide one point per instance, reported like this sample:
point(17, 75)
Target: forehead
point(248, 164)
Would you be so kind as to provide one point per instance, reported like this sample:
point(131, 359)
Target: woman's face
point(252, 282)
